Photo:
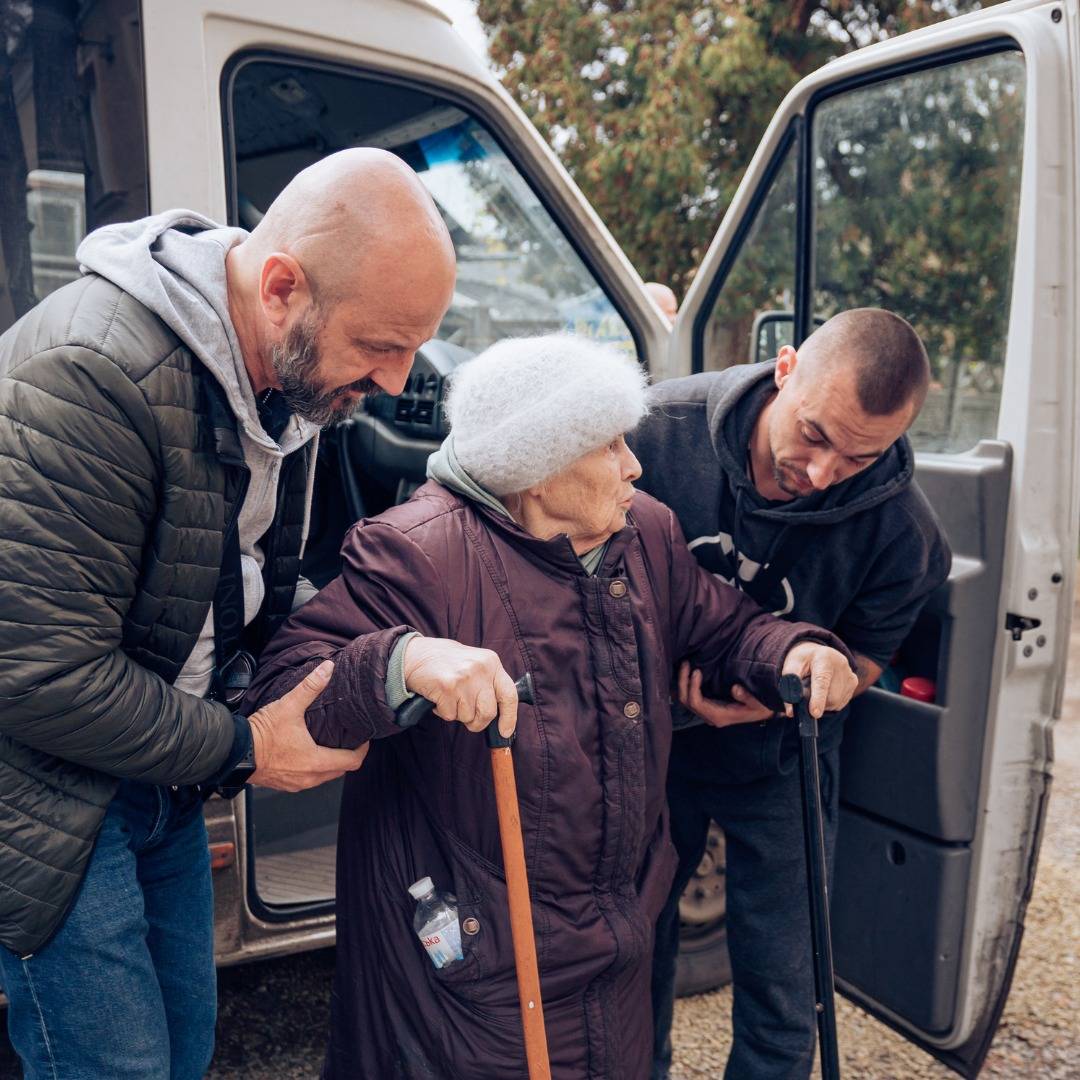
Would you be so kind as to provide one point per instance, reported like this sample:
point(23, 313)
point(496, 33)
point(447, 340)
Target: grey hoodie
point(174, 264)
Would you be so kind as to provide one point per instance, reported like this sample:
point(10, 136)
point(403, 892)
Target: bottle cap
point(915, 686)
point(419, 889)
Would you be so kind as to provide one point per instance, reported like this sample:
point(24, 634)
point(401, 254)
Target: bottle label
point(442, 942)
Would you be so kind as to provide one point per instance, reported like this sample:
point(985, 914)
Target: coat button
point(632, 710)
point(471, 926)
point(617, 589)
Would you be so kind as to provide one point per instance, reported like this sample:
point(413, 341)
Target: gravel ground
point(273, 1014)
point(1039, 1036)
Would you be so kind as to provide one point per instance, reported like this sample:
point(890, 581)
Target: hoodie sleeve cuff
point(396, 691)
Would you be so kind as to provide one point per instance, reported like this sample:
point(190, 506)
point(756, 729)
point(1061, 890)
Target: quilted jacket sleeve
point(725, 634)
point(79, 480)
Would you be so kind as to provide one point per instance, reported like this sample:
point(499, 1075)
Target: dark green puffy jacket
point(119, 468)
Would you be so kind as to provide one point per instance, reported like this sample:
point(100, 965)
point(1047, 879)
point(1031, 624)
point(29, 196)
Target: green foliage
point(915, 189)
point(916, 194)
point(655, 106)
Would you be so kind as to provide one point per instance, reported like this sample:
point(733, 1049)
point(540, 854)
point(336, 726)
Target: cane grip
point(411, 712)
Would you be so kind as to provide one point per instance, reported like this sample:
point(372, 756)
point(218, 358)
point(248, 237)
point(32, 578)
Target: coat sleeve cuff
point(356, 706)
point(241, 748)
point(763, 675)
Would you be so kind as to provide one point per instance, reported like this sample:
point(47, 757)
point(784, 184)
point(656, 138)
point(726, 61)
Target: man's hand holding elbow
point(286, 756)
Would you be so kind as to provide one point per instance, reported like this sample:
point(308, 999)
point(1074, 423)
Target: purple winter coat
point(591, 759)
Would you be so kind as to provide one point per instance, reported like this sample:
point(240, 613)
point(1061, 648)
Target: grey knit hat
point(526, 408)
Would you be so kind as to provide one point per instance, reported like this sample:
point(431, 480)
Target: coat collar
point(557, 553)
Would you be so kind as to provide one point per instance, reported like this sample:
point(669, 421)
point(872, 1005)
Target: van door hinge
point(1018, 625)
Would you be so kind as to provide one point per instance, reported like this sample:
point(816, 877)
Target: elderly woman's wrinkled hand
point(463, 683)
point(832, 682)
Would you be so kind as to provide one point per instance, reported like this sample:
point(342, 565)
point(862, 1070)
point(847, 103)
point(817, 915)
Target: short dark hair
point(888, 358)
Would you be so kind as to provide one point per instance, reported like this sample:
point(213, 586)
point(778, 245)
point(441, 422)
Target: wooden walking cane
point(517, 880)
point(517, 888)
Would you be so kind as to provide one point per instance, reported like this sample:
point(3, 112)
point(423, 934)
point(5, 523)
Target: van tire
point(704, 963)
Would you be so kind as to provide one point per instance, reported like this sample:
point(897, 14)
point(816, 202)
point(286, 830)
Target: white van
point(872, 185)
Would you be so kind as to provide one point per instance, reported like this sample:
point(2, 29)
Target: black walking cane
point(792, 693)
point(517, 881)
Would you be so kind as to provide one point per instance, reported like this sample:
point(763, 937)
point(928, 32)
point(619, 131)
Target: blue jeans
point(774, 1024)
point(126, 987)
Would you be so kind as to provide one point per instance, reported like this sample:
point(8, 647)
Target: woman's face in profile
point(588, 500)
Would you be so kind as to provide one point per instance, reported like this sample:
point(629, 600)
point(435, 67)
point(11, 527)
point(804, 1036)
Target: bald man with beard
point(158, 422)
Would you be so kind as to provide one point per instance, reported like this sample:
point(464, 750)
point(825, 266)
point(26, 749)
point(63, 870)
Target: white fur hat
point(526, 408)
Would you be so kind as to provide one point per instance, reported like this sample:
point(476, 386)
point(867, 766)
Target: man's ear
point(786, 359)
point(283, 288)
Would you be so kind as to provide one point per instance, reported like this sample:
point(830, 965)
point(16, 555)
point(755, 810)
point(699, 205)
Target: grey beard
point(296, 362)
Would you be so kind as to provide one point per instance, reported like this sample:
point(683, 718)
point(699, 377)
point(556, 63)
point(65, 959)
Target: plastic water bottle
point(436, 923)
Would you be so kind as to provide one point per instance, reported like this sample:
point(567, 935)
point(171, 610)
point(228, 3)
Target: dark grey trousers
point(768, 921)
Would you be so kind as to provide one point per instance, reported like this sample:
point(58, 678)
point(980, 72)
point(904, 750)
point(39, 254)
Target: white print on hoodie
point(748, 569)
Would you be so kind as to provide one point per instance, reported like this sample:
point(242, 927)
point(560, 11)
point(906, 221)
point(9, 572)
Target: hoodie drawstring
point(781, 554)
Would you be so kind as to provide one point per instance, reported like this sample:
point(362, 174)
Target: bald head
point(358, 210)
point(880, 351)
point(348, 273)
point(664, 298)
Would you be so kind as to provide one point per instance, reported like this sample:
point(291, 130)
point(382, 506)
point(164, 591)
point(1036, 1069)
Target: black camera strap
point(233, 665)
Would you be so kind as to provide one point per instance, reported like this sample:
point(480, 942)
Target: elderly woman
point(528, 541)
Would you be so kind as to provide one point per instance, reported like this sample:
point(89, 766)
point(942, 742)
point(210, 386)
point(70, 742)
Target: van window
point(72, 139)
point(517, 272)
point(914, 195)
point(916, 190)
point(752, 315)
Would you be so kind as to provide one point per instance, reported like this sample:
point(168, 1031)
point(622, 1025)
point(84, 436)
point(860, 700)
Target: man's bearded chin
point(296, 363)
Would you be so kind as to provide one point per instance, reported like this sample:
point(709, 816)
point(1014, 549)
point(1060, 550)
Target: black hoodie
point(859, 558)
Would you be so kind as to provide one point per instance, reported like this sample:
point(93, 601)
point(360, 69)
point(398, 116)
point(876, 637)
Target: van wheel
point(704, 963)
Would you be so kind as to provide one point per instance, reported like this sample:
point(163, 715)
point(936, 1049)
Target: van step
point(296, 877)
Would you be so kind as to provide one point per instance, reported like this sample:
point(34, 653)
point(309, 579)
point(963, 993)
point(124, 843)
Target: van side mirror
point(771, 331)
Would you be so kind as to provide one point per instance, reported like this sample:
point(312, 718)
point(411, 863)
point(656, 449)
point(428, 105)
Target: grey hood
point(174, 264)
point(444, 468)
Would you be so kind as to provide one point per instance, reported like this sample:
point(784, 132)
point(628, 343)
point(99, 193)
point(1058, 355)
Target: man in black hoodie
point(793, 480)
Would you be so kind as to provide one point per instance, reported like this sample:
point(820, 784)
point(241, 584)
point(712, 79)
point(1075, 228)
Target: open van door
point(934, 175)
